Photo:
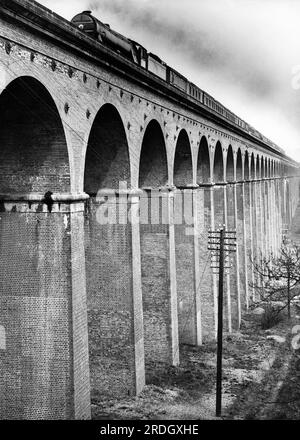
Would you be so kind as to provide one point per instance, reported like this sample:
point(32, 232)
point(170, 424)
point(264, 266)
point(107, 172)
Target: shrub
point(271, 317)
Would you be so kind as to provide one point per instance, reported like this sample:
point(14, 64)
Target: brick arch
point(107, 157)
point(218, 164)
point(203, 162)
point(153, 165)
point(183, 165)
point(34, 154)
point(239, 165)
point(230, 177)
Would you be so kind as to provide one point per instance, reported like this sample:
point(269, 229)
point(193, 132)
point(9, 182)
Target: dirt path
point(261, 380)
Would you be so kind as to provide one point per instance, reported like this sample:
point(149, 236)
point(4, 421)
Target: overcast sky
point(245, 53)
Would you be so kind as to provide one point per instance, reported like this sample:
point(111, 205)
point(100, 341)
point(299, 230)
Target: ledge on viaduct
point(92, 298)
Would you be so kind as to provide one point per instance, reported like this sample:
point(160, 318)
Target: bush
point(271, 317)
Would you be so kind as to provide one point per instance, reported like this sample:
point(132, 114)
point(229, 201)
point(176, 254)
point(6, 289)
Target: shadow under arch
point(262, 167)
point(252, 167)
point(183, 167)
point(239, 165)
point(107, 156)
point(32, 139)
point(203, 162)
point(229, 165)
point(218, 167)
point(247, 172)
point(153, 168)
point(258, 166)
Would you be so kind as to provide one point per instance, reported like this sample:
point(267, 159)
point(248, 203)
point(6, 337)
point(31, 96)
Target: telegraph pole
point(220, 242)
point(220, 327)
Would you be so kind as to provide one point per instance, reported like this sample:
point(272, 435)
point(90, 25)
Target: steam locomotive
point(135, 52)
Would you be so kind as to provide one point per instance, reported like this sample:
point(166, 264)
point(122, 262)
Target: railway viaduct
point(89, 307)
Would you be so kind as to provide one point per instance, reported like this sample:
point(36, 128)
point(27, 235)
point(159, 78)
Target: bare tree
point(277, 276)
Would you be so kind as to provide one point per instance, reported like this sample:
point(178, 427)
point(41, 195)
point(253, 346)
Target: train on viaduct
point(93, 300)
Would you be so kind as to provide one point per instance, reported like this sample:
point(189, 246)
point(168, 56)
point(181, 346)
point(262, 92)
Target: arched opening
point(246, 166)
point(153, 172)
point(284, 169)
point(107, 157)
point(252, 167)
point(271, 168)
point(241, 201)
point(203, 164)
point(239, 166)
point(255, 222)
point(36, 297)
point(108, 248)
point(203, 218)
point(33, 153)
point(248, 223)
point(218, 168)
point(184, 244)
point(264, 201)
point(183, 168)
point(230, 165)
point(262, 167)
point(257, 167)
point(155, 258)
point(220, 192)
